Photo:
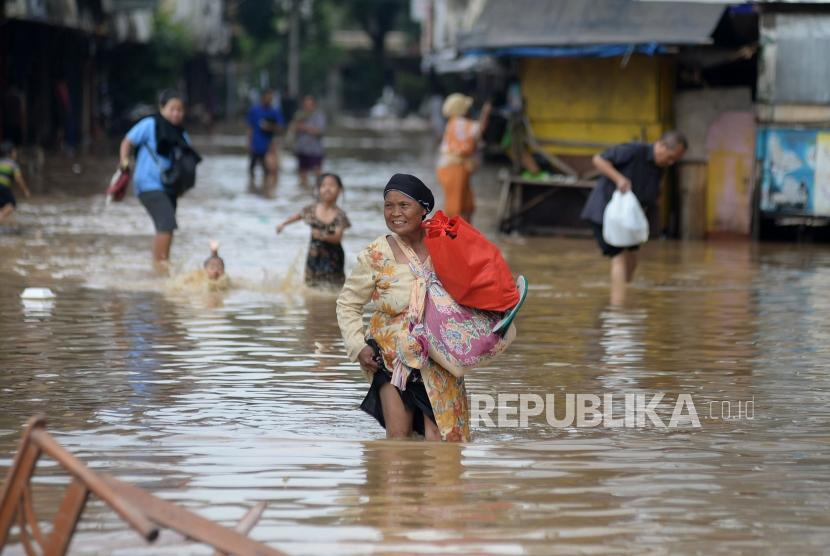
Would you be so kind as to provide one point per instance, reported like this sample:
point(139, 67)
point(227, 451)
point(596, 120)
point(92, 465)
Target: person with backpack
point(165, 167)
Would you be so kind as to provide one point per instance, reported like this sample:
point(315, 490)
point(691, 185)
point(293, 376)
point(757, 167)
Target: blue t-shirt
point(147, 174)
point(261, 139)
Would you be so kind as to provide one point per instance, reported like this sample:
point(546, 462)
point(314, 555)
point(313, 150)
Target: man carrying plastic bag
point(630, 168)
point(624, 224)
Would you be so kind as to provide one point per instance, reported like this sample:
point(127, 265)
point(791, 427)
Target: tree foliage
point(138, 72)
point(261, 42)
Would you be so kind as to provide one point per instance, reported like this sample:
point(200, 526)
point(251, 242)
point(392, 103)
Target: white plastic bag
point(624, 224)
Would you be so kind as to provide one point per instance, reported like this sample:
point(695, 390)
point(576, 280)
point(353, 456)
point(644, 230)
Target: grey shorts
point(161, 206)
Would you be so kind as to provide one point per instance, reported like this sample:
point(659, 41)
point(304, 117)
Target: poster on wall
point(821, 191)
point(796, 171)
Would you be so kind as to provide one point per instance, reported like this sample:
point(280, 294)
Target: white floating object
point(38, 307)
point(37, 293)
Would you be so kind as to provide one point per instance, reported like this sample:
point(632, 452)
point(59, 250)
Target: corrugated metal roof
point(796, 67)
point(129, 5)
point(512, 23)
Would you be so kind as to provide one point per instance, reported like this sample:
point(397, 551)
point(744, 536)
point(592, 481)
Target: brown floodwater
point(218, 400)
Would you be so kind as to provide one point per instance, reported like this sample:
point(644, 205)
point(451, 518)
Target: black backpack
point(181, 175)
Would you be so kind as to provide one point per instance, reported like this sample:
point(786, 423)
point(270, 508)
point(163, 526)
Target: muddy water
point(220, 400)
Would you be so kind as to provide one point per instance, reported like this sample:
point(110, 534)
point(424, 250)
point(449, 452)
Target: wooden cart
point(544, 206)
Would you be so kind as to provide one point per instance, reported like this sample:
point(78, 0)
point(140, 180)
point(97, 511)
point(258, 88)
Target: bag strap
point(156, 158)
point(415, 309)
point(408, 252)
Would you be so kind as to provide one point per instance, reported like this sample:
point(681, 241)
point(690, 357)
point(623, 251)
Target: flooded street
point(220, 400)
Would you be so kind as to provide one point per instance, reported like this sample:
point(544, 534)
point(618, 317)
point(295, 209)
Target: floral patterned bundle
point(457, 337)
point(461, 338)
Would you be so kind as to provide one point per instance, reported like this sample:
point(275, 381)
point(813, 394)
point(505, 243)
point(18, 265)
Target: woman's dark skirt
point(324, 265)
point(414, 398)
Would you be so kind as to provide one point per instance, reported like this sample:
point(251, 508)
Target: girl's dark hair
point(329, 175)
point(169, 94)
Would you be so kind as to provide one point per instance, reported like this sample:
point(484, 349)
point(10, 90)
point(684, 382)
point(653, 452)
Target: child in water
point(324, 265)
point(10, 174)
point(211, 276)
point(214, 265)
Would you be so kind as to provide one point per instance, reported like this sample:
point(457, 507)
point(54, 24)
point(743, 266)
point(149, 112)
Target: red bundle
point(470, 267)
point(118, 185)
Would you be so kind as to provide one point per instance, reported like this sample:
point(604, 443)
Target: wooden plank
point(250, 518)
point(533, 202)
point(247, 522)
point(555, 182)
point(96, 484)
point(27, 515)
point(535, 147)
point(504, 201)
point(792, 113)
point(191, 525)
point(558, 163)
point(25, 539)
point(67, 518)
point(519, 205)
point(18, 477)
point(564, 231)
point(512, 191)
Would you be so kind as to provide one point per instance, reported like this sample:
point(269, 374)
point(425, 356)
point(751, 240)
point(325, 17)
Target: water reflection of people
point(159, 135)
point(429, 400)
point(318, 333)
point(142, 323)
point(407, 484)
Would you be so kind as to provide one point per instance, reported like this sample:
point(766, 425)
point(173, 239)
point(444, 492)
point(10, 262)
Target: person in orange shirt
point(456, 161)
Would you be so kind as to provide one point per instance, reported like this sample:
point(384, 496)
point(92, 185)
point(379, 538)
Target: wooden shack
point(593, 73)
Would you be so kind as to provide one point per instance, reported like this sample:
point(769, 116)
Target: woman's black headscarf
point(412, 187)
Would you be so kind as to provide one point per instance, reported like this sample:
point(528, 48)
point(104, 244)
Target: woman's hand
point(366, 358)
point(280, 228)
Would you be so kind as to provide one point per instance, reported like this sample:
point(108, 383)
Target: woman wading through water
point(429, 399)
point(154, 139)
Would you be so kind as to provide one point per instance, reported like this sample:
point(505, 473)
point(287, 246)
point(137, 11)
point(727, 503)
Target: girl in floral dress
point(324, 265)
